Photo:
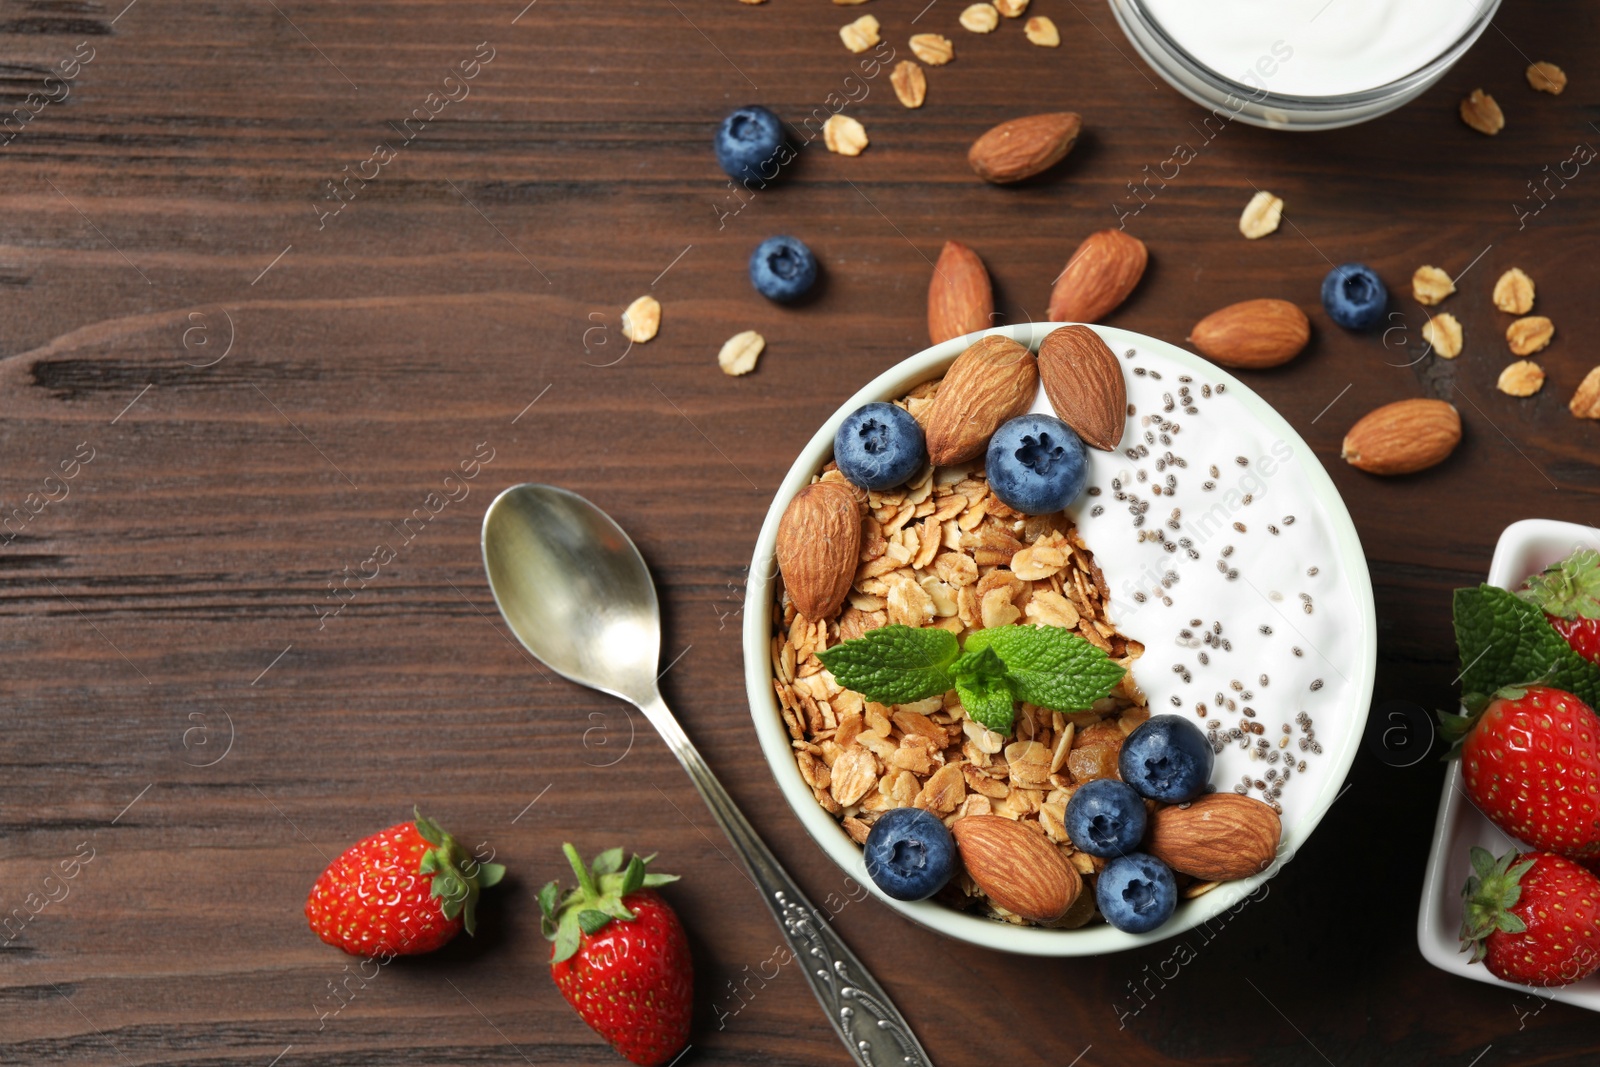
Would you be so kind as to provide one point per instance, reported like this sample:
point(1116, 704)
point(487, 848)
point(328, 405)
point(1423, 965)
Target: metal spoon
point(577, 594)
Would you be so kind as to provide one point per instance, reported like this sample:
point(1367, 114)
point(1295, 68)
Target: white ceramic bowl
point(1525, 548)
point(1339, 742)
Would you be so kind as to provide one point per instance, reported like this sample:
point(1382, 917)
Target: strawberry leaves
point(456, 876)
point(598, 899)
point(1492, 890)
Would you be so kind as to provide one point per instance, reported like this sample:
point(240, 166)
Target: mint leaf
point(895, 664)
point(981, 684)
point(1049, 666)
point(1504, 640)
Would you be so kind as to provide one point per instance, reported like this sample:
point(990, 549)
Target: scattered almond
point(642, 319)
point(1042, 32)
point(1011, 8)
point(1547, 77)
point(860, 35)
point(1085, 385)
point(980, 18)
point(1023, 147)
point(1261, 215)
point(1585, 403)
point(1481, 113)
point(1101, 274)
point(1216, 838)
point(740, 352)
point(1403, 437)
point(1018, 868)
point(1529, 334)
point(992, 381)
point(1513, 292)
point(819, 538)
point(844, 135)
point(1443, 332)
point(1253, 334)
point(1431, 285)
point(960, 296)
point(1522, 378)
point(932, 48)
point(910, 84)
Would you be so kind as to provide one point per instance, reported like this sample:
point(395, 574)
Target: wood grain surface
point(254, 393)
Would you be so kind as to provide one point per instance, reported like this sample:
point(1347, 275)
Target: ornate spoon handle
point(866, 1020)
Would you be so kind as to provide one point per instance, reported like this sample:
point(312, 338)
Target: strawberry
point(1568, 593)
point(406, 890)
point(1532, 919)
point(1530, 761)
point(620, 956)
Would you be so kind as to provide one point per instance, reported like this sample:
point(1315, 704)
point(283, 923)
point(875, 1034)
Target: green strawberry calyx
point(1492, 890)
point(597, 900)
point(1455, 728)
point(457, 876)
point(1569, 589)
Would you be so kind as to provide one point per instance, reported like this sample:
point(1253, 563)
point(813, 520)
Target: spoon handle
point(866, 1020)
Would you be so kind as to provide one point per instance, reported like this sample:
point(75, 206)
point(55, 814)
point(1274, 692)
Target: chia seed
point(1140, 371)
point(1316, 683)
point(1266, 630)
point(1240, 527)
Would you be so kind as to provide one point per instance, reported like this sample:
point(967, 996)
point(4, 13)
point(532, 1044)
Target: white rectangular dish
point(1524, 548)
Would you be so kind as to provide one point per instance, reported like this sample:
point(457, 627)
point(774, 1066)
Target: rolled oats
point(932, 48)
point(980, 18)
point(1546, 77)
point(1513, 292)
point(910, 84)
point(1585, 403)
point(1522, 378)
point(844, 135)
point(1261, 215)
point(1529, 334)
point(642, 319)
point(740, 352)
point(1480, 112)
point(1443, 332)
point(1042, 32)
point(860, 35)
point(1431, 285)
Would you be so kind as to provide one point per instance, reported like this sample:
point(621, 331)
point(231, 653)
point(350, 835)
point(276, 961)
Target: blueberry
point(1166, 758)
point(1036, 464)
point(910, 854)
point(782, 269)
point(1105, 818)
point(879, 446)
point(1136, 893)
point(1354, 296)
point(750, 145)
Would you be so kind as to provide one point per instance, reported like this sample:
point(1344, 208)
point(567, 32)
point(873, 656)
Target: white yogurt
point(1318, 48)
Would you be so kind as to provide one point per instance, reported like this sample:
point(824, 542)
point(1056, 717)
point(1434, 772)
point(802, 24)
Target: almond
point(992, 381)
point(1023, 147)
point(1017, 868)
point(1084, 382)
point(819, 541)
point(1252, 334)
point(960, 298)
point(1098, 277)
point(1215, 838)
point(1403, 437)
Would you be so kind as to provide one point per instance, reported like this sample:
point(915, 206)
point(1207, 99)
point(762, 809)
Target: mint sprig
point(1042, 665)
point(1505, 640)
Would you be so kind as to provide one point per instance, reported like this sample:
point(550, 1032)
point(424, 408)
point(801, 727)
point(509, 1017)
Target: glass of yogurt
point(1302, 64)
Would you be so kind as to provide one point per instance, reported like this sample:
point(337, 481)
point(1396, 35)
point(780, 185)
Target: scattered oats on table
point(932, 48)
point(1042, 32)
point(740, 352)
point(1011, 8)
point(1513, 292)
point(844, 135)
point(980, 18)
point(860, 35)
point(642, 319)
point(1481, 113)
point(1522, 378)
point(1443, 332)
point(910, 84)
point(1261, 215)
point(1529, 334)
point(1546, 77)
point(1585, 403)
point(1431, 285)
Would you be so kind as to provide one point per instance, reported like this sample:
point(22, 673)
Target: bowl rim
point(827, 832)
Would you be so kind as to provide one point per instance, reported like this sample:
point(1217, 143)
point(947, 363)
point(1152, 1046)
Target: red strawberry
point(1533, 919)
point(1531, 762)
point(1569, 595)
point(406, 890)
point(621, 957)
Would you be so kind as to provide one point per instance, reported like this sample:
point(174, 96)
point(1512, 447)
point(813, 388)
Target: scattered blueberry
point(782, 269)
point(1166, 758)
point(1105, 818)
point(1036, 464)
point(1136, 893)
point(879, 446)
point(748, 144)
point(910, 854)
point(1354, 296)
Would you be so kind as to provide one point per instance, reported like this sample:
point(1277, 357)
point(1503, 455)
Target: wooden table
point(253, 626)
